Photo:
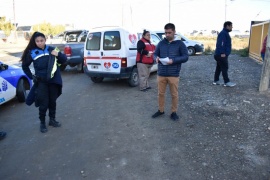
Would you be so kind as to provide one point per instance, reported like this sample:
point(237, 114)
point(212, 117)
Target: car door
point(111, 54)
point(7, 90)
point(102, 51)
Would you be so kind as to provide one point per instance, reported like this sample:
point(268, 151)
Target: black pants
point(222, 66)
point(46, 96)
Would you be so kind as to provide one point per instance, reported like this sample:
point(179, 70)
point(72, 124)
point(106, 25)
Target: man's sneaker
point(2, 135)
point(158, 113)
point(229, 84)
point(144, 90)
point(149, 87)
point(54, 123)
point(174, 116)
point(43, 128)
point(216, 83)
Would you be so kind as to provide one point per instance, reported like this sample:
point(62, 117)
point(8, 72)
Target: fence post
point(264, 83)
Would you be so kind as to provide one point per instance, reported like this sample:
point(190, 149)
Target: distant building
point(24, 32)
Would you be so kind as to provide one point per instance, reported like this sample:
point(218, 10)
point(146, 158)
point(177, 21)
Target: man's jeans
point(222, 66)
point(162, 84)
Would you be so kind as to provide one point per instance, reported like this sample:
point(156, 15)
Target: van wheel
point(63, 67)
point(191, 51)
point(97, 79)
point(134, 78)
point(21, 91)
point(80, 68)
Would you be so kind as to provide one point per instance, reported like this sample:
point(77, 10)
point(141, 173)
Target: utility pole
point(225, 10)
point(169, 11)
point(15, 33)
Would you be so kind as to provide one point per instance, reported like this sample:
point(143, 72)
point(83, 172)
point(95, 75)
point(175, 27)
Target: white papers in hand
point(164, 61)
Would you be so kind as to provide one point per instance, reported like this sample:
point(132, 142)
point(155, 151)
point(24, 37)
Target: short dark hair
point(227, 23)
point(170, 26)
point(145, 32)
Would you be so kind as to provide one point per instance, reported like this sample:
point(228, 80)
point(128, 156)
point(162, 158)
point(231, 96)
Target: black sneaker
point(174, 116)
point(43, 128)
point(2, 135)
point(54, 123)
point(144, 90)
point(149, 87)
point(158, 113)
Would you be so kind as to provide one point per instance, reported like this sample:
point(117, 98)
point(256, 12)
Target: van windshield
point(93, 41)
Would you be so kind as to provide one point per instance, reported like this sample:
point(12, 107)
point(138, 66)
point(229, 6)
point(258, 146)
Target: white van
point(110, 52)
point(192, 46)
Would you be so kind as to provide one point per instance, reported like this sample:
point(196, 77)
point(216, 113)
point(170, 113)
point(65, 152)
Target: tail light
point(124, 62)
point(84, 61)
point(67, 50)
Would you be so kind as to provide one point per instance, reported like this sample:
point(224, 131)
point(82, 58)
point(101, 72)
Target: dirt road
point(108, 132)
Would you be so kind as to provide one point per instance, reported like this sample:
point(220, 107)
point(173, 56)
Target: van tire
point(80, 68)
point(97, 79)
point(191, 51)
point(21, 91)
point(133, 80)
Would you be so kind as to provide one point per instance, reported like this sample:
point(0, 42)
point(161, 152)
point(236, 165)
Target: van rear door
point(102, 52)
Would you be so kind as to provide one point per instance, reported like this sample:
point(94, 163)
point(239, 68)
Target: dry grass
point(237, 43)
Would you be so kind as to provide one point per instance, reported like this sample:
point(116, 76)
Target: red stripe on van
point(92, 57)
point(116, 58)
point(101, 58)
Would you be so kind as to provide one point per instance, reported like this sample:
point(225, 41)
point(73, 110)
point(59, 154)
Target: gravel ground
point(223, 132)
point(228, 134)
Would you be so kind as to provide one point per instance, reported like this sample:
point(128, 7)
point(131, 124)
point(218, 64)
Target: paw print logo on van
point(107, 65)
point(132, 38)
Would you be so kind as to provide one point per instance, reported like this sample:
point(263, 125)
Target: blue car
point(13, 83)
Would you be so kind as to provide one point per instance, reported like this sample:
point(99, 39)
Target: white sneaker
point(229, 84)
point(216, 83)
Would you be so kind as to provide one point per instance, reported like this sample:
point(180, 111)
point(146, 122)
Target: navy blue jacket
point(175, 50)
point(224, 43)
point(43, 62)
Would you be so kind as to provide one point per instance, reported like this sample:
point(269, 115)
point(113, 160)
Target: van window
point(111, 40)
point(93, 41)
point(154, 39)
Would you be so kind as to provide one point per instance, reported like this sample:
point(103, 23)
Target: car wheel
point(80, 67)
point(97, 79)
point(21, 91)
point(134, 78)
point(63, 67)
point(191, 51)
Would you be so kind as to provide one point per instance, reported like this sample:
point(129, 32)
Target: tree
point(47, 29)
point(6, 26)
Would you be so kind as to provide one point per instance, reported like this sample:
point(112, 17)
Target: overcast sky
point(187, 15)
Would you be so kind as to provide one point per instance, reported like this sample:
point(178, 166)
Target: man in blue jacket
point(223, 50)
point(169, 55)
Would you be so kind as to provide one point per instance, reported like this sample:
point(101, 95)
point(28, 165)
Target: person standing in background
point(144, 60)
point(263, 48)
point(222, 52)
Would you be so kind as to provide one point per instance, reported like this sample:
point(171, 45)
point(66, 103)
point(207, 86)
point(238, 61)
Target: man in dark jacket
point(169, 55)
point(223, 50)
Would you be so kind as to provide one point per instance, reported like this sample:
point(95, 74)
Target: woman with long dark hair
point(47, 78)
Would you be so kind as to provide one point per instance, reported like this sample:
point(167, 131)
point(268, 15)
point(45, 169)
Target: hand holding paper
point(164, 61)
